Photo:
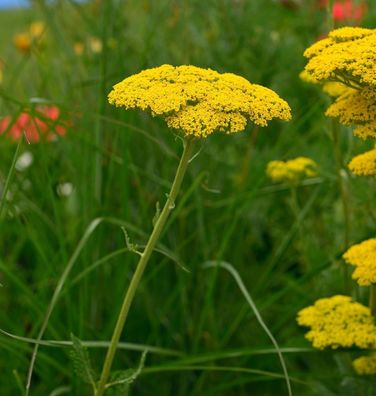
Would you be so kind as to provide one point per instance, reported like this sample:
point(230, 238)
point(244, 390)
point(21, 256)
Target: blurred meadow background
point(114, 165)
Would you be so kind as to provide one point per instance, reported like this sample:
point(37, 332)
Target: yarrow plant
point(195, 103)
point(347, 58)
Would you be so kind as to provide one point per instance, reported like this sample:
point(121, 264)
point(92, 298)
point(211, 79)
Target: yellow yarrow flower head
point(353, 107)
point(363, 257)
point(291, 171)
point(199, 101)
point(365, 365)
point(338, 321)
point(348, 55)
point(364, 164)
point(366, 131)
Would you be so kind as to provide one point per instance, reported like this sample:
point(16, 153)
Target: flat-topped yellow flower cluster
point(364, 164)
point(363, 257)
point(199, 101)
point(338, 322)
point(347, 58)
point(292, 171)
point(347, 55)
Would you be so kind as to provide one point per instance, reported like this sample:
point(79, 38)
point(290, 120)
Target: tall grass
point(201, 336)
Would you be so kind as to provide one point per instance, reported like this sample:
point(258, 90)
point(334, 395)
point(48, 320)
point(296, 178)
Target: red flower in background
point(44, 124)
point(346, 10)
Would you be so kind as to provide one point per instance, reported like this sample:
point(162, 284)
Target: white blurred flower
point(24, 161)
point(64, 189)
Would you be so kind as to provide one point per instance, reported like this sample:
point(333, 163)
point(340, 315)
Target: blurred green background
point(117, 164)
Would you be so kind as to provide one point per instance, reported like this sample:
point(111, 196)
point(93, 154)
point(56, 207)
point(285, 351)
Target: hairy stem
point(145, 255)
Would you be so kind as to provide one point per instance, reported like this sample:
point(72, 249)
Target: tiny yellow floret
point(337, 322)
point(365, 365)
point(199, 101)
point(363, 257)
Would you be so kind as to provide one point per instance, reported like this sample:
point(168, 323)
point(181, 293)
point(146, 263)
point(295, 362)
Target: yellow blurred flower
point(335, 89)
point(37, 29)
point(95, 45)
point(338, 321)
point(365, 365)
point(291, 171)
point(199, 101)
point(332, 88)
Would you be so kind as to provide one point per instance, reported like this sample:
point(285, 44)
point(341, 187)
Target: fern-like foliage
point(120, 381)
point(81, 362)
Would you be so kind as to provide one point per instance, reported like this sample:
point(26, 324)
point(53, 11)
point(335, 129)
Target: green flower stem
point(372, 299)
point(145, 255)
point(329, 13)
point(344, 198)
point(296, 212)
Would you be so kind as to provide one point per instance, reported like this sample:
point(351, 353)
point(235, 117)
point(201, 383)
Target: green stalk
point(344, 198)
point(144, 258)
point(301, 239)
point(372, 299)
point(9, 178)
point(329, 13)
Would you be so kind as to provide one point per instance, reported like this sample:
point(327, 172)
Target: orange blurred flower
point(22, 42)
point(346, 10)
point(44, 124)
point(33, 36)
